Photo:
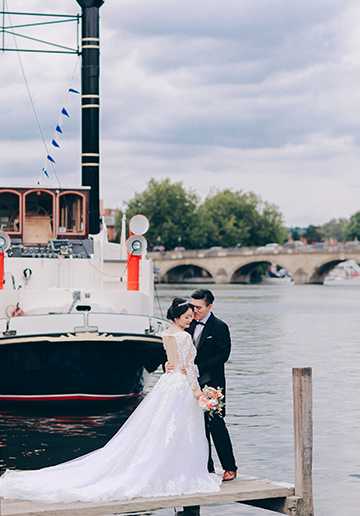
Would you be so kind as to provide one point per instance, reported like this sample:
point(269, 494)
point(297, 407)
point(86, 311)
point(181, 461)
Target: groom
point(211, 337)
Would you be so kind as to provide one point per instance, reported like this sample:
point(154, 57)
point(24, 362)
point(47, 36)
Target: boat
point(344, 273)
point(77, 322)
point(275, 277)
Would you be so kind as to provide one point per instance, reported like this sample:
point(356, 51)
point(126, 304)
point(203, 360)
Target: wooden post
point(303, 439)
point(301, 504)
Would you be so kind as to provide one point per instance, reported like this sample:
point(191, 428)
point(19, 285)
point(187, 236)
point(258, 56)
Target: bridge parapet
point(230, 251)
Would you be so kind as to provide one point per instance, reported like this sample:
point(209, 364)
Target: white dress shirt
point(199, 327)
point(198, 330)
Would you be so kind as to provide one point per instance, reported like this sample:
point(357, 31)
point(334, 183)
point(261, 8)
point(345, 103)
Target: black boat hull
point(76, 369)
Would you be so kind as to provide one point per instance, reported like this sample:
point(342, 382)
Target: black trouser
point(215, 426)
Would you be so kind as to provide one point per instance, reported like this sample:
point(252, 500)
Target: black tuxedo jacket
point(212, 352)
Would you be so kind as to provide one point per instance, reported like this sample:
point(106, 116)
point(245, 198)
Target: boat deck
point(242, 489)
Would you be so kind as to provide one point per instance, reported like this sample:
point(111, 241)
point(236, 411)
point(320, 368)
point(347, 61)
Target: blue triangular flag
point(45, 172)
point(50, 159)
point(58, 129)
point(64, 112)
point(55, 144)
point(74, 91)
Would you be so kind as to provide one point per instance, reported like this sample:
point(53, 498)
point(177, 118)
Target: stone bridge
point(305, 264)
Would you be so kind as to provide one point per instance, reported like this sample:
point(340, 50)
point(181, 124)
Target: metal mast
point(90, 106)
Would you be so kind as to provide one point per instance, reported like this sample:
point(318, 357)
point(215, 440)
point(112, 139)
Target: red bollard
point(133, 272)
point(138, 225)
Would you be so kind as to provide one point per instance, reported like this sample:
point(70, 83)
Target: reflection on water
point(84, 425)
point(33, 440)
point(273, 328)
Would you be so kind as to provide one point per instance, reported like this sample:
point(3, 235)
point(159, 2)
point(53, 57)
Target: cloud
point(234, 88)
point(310, 190)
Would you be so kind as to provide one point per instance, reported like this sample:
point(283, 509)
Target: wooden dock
point(240, 490)
point(294, 500)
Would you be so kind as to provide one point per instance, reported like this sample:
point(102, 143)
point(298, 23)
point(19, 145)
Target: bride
point(161, 450)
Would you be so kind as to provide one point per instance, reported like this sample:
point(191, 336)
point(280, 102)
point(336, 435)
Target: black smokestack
point(90, 106)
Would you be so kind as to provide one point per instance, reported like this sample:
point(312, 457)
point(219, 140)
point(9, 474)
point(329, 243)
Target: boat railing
point(82, 322)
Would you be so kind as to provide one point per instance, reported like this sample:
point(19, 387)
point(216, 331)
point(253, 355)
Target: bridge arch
point(187, 273)
point(322, 270)
point(242, 273)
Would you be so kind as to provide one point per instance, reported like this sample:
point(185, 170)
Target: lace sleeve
point(187, 353)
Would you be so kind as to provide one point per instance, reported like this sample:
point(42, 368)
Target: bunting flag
point(58, 131)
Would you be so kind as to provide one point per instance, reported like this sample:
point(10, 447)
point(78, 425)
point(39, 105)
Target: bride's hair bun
point(178, 307)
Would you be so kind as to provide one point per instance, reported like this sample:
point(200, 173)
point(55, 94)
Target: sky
point(250, 95)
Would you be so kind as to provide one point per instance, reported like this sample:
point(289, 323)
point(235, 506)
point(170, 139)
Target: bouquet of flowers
point(211, 400)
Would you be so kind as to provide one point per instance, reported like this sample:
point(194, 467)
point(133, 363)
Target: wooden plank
point(38, 229)
point(239, 490)
point(303, 439)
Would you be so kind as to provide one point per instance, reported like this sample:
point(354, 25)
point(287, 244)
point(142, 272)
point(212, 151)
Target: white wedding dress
point(161, 450)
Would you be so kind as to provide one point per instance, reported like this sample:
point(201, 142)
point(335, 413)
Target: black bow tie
point(199, 322)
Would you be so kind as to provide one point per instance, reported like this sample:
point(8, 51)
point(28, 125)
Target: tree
point(238, 217)
point(171, 212)
point(226, 218)
point(204, 233)
point(295, 234)
point(352, 228)
point(313, 234)
point(270, 224)
point(334, 229)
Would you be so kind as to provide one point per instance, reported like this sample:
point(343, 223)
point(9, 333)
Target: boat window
point(9, 212)
point(38, 217)
point(71, 213)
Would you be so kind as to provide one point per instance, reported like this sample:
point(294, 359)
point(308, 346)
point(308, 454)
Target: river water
point(274, 328)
